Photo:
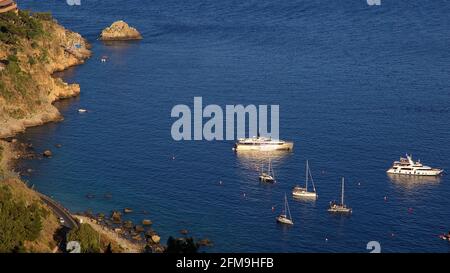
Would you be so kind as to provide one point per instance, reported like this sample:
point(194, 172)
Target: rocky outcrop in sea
point(120, 31)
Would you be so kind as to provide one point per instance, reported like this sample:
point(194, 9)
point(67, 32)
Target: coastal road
point(60, 212)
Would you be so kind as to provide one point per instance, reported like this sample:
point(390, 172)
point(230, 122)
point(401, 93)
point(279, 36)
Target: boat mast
point(312, 180)
point(342, 193)
point(286, 207)
point(306, 175)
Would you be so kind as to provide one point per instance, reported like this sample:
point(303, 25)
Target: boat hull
point(266, 180)
point(305, 194)
point(287, 146)
point(340, 210)
point(283, 220)
point(433, 172)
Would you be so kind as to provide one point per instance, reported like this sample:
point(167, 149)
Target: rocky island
point(120, 31)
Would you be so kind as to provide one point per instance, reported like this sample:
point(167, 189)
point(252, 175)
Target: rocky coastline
point(53, 49)
point(28, 90)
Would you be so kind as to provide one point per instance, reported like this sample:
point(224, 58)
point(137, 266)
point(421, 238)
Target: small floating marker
point(173, 157)
point(81, 110)
point(245, 194)
point(273, 208)
point(359, 183)
point(410, 210)
point(385, 198)
point(326, 239)
point(392, 234)
point(220, 182)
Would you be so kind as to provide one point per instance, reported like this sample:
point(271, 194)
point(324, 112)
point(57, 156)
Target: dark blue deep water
point(358, 86)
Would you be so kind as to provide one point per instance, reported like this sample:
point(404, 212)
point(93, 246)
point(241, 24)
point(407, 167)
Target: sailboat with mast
point(269, 176)
point(340, 208)
point(285, 216)
point(300, 192)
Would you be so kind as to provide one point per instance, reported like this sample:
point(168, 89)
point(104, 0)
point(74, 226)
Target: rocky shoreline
point(38, 59)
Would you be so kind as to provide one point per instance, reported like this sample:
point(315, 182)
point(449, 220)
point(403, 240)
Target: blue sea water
point(358, 86)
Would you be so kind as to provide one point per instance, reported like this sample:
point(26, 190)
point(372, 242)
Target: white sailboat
point(340, 208)
point(300, 192)
point(285, 217)
point(269, 176)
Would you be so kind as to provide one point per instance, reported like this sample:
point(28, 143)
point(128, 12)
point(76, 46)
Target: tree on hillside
point(88, 238)
point(18, 222)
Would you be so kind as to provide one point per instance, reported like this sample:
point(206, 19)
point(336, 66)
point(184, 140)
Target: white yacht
point(269, 176)
point(285, 217)
point(409, 167)
point(340, 208)
point(262, 144)
point(300, 192)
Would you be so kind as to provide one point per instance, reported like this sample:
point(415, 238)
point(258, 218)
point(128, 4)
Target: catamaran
point(269, 176)
point(409, 167)
point(300, 192)
point(285, 216)
point(340, 208)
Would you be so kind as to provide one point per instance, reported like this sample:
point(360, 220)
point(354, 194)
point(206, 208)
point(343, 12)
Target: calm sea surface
point(358, 86)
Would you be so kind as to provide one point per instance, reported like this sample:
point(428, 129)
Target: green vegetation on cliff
point(19, 222)
point(20, 36)
point(32, 47)
point(89, 239)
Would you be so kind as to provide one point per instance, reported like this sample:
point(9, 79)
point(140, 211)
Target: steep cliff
point(32, 47)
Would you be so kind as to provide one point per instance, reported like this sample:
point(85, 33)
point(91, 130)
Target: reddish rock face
point(7, 5)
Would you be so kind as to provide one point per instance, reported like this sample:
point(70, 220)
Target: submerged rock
point(139, 228)
point(47, 153)
point(184, 231)
point(128, 225)
point(120, 31)
point(127, 210)
point(116, 217)
point(146, 222)
point(205, 242)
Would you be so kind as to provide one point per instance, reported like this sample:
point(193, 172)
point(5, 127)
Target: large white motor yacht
point(262, 144)
point(409, 167)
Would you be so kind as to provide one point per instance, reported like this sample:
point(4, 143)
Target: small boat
point(285, 217)
point(300, 192)
point(81, 110)
point(445, 237)
point(340, 208)
point(407, 166)
point(269, 176)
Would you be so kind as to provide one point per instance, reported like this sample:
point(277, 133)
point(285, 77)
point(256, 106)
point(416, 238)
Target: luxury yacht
point(409, 167)
point(262, 144)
